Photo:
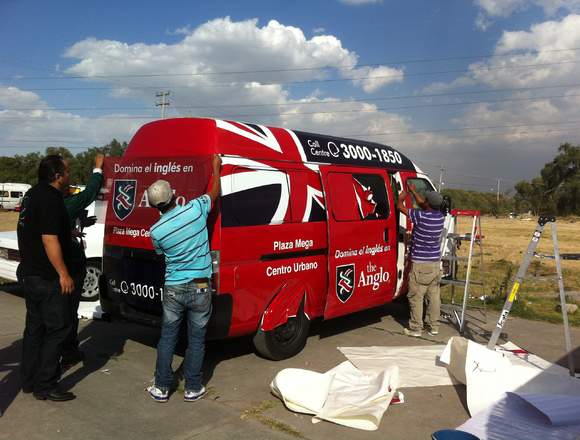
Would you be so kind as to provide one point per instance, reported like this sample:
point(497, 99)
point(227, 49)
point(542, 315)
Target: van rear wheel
point(285, 340)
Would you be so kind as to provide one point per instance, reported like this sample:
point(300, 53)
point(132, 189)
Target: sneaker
point(158, 394)
point(432, 332)
point(192, 396)
point(413, 333)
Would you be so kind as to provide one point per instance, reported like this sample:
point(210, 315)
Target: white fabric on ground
point(419, 366)
point(517, 417)
point(344, 395)
point(90, 310)
point(489, 374)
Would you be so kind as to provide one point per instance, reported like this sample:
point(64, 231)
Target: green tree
point(557, 189)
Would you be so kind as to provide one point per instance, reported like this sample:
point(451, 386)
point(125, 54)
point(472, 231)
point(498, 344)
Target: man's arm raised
point(214, 192)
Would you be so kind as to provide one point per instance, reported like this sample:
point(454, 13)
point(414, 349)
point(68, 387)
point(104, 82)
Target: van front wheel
point(284, 341)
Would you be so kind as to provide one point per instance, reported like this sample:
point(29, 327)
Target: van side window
point(3, 193)
point(15, 194)
point(256, 197)
point(422, 186)
point(358, 197)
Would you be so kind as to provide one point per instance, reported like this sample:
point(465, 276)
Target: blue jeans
point(178, 301)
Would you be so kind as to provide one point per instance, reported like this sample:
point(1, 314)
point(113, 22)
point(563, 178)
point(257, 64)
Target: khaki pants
point(424, 286)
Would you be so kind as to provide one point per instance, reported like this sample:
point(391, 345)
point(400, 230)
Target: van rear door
point(361, 239)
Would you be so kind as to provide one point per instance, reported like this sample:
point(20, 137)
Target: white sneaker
point(413, 333)
point(158, 394)
point(433, 332)
point(192, 396)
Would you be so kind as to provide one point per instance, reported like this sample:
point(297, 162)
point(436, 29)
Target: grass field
point(8, 220)
point(504, 244)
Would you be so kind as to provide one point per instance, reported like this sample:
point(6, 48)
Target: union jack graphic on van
point(300, 188)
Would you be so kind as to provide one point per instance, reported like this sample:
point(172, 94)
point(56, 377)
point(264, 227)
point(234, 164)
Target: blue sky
point(488, 88)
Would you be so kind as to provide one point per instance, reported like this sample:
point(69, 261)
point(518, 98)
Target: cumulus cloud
point(529, 122)
point(493, 9)
point(211, 54)
point(25, 118)
point(225, 69)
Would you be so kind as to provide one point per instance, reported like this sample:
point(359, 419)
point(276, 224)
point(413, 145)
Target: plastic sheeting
point(344, 395)
point(419, 366)
point(90, 310)
point(519, 416)
point(489, 374)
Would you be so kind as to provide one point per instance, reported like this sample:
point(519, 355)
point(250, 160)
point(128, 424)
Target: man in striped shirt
point(181, 235)
point(425, 273)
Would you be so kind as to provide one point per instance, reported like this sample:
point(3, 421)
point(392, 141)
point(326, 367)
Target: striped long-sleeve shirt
point(427, 231)
point(181, 235)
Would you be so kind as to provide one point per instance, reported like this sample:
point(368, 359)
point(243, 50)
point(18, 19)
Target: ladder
point(530, 253)
point(450, 247)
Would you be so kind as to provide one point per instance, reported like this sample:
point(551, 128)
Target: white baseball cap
point(159, 193)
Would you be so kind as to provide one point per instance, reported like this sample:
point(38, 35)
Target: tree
point(23, 169)
point(557, 189)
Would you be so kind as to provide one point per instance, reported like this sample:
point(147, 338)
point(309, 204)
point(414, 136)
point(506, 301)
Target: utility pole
point(163, 101)
point(498, 184)
point(441, 171)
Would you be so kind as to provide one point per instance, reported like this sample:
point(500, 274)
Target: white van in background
point(11, 194)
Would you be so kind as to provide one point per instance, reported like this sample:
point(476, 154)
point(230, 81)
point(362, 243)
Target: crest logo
point(124, 197)
point(345, 282)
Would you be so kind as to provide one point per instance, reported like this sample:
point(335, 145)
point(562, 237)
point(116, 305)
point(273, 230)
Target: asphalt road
point(112, 402)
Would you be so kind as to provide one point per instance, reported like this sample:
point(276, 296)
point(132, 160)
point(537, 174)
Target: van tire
point(284, 341)
point(90, 290)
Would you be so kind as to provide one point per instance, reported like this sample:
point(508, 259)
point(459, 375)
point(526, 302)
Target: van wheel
point(285, 340)
point(91, 286)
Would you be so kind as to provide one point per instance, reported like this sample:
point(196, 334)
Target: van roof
point(203, 136)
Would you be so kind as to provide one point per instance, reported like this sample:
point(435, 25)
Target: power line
point(278, 70)
point(311, 81)
point(320, 102)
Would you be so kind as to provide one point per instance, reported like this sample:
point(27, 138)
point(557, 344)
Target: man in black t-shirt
point(44, 242)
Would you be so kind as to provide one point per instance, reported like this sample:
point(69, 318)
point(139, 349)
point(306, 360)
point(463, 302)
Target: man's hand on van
point(99, 160)
point(217, 163)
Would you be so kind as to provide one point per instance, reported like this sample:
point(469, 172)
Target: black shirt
point(42, 212)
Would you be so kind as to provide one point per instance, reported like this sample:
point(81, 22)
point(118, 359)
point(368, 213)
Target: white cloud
point(25, 118)
point(372, 79)
point(493, 9)
point(545, 55)
point(199, 86)
point(318, 30)
point(359, 2)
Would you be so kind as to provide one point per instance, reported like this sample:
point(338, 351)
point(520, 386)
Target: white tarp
point(419, 365)
point(523, 417)
point(90, 310)
point(344, 395)
point(489, 374)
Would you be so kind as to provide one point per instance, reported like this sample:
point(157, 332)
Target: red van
point(305, 227)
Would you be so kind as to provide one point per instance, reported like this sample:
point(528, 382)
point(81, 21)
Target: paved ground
point(112, 403)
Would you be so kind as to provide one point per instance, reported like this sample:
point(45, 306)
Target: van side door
point(361, 239)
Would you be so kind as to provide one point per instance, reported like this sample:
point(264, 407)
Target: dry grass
point(505, 243)
point(8, 220)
